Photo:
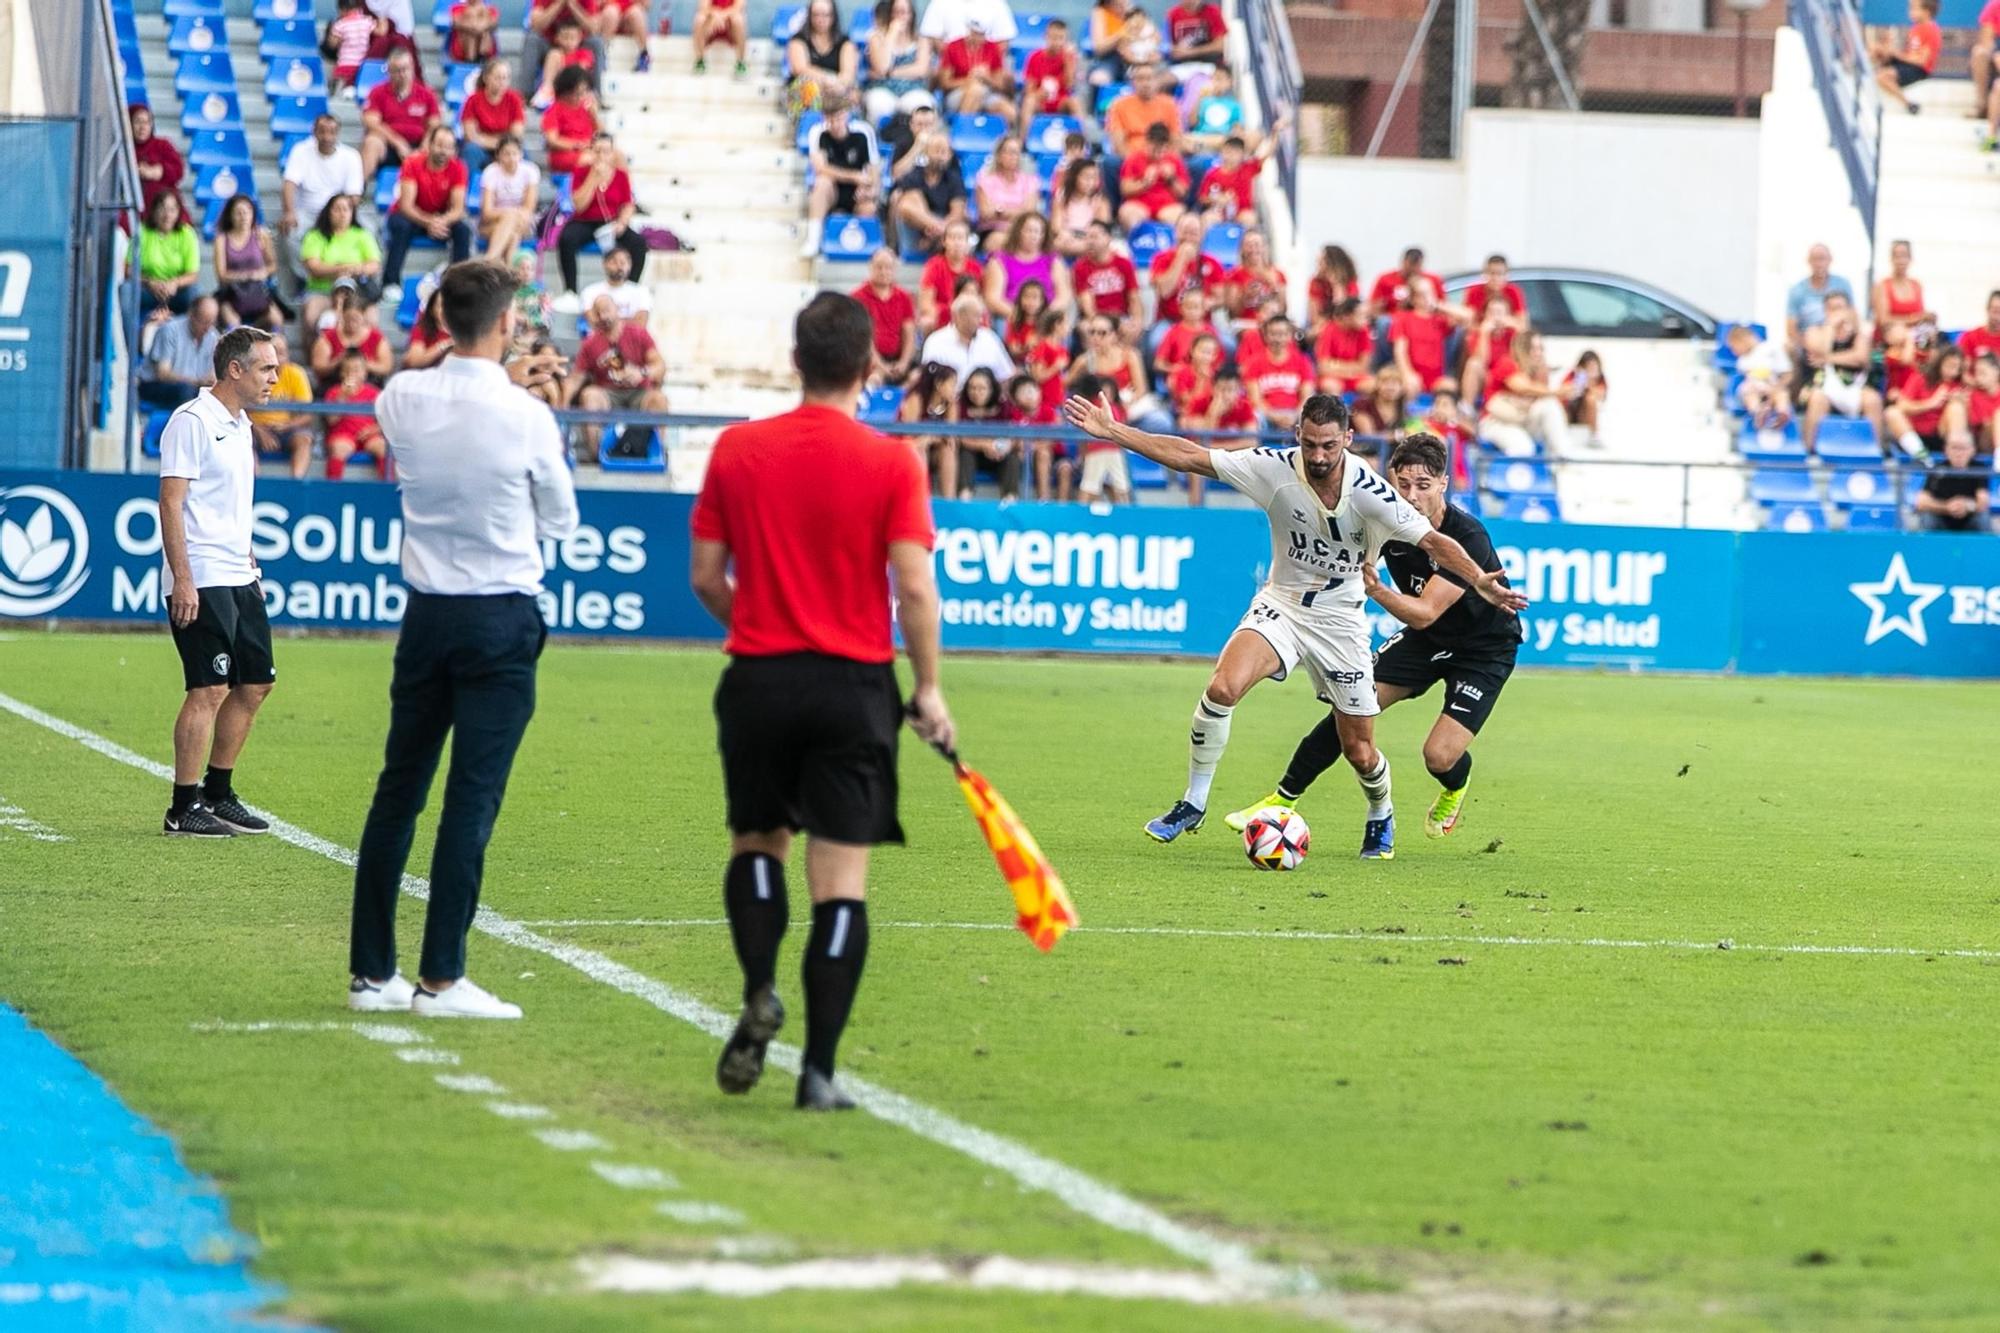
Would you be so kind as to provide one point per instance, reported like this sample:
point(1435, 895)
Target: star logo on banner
point(1896, 583)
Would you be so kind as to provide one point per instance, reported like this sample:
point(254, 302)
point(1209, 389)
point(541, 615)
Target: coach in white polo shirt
point(208, 463)
point(484, 480)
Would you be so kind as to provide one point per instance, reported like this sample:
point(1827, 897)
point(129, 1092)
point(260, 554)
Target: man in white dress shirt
point(965, 345)
point(484, 481)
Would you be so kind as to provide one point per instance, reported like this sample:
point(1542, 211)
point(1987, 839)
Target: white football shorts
point(1334, 650)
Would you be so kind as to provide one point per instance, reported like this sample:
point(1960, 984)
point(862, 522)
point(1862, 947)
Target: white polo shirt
point(480, 464)
point(211, 447)
point(318, 177)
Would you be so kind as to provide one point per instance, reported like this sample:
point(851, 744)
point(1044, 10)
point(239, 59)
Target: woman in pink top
point(1080, 200)
point(1005, 190)
point(1025, 254)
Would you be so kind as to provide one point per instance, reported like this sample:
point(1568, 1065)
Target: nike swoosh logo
point(1456, 708)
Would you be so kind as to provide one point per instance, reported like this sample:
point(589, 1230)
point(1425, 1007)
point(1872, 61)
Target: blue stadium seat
point(1146, 474)
point(185, 9)
point(655, 459)
point(411, 304)
point(1528, 508)
point(879, 406)
point(1046, 165)
point(135, 87)
point(215, 147)
point(285, 10)
point(1783, 486)
point(223, 181)
point(372, 72)
point(210, 72)
point(459, 81)
point(1108, 94)
point(156, 426)
point(1847, 438)
point(1146, 240)
point(1874, 518)
point(1198, 165)
point(211, 211)
point(1863, 486)
point(282, 39)
point(1795, 518)
point(1725, 360)
point(1519, 476)
point(292, 117)
point(385, 188)
point(969, 166)
point(197, 36)
point(1771, 446)
point(1223, 242)
point(441, 16)
point(808, 125)
point(860, 22)
point(1046, 133)
point(210, 111)
point(295, 76)
point(976, 134)
point(849, 239)
point(785, 21)
point(1030, 31)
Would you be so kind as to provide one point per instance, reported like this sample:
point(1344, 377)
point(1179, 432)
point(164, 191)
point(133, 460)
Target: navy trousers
point(464, 665)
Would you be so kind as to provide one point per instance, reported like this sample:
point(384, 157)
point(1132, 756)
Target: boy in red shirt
point(347, 436)
point(472, 27)
point(1896, 69)
point(1177, 347)
point(1049, 81)
point(1277, 375)
point(567, 52)
point(1226, 188)
point(569, 126)
point(1982, 404)
point(974, 77)
point(1030, 404)
point(1154, 183)
point(1344, 350)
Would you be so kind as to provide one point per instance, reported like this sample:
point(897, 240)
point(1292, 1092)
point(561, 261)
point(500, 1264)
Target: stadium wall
point(1666, 199)
point(82, 547)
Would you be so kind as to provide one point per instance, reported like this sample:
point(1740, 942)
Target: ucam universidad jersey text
point(1317, 553)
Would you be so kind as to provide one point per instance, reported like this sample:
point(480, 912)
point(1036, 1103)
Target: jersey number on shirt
point(1328, 586)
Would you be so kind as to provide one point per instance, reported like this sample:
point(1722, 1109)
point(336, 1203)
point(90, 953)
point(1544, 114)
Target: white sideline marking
point(1080, 1193)
point(725, 1278)
point(14, 817)
point(219, 1026)
point(520, 1111)
point(700, 1214)
point(753, 1247)
point(1352, 936)
point(471, 1083)
point(571, 1140)
point(424, 1055)
point(390, 1034)
point(635, 1177)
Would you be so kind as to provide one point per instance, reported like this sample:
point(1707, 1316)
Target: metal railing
point(1845, 76)
point(1274, 64)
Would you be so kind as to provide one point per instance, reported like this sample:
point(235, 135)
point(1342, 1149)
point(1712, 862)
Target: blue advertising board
point(1061, 578)
point(38, 162)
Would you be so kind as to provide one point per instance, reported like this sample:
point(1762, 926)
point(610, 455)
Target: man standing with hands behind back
point(215, 602)
point(484, 481)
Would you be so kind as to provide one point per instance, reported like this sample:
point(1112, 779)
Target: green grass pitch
point(1512, 1079)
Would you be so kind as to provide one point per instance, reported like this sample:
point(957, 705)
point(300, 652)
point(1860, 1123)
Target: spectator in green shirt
point(169, 259)
point(336, 248)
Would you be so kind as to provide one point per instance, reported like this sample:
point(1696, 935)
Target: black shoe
point(742, 1062)
point(228, 810)
point(197, 821)
point(817, 1093)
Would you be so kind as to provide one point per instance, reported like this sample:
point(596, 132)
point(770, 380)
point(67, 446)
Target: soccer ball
point(1276, 838)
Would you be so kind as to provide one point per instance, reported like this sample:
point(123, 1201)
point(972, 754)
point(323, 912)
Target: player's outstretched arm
point(1095, 418)
point(1416, 612)
point(1450, 555)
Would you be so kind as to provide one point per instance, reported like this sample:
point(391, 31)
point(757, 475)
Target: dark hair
point(501, 145)
point(1227, 371)
point(1325, 409)
point(1022, 291)
point(222, 223)
point(1414, 255)
point(571, 79)
point(1020, 382)
point(1499, 259)
point(325, 116)
point(1337, 262)
point(1099, 224)
point(1055, 23)
point(1347, 305)
point(1158, 133)
point(1071, 174)
point(566, 21)
point(323, 224)
point(1422, 449)
point(1936, 367)
point(1088, 385)
point(1236, 141)
point(1277, 317)
point(473, 296)
point(929, 377)
point(429, 322)
point(233, 348)
point(1050, 321)
point(833, 341)
point(152, 217)
point(965, 402)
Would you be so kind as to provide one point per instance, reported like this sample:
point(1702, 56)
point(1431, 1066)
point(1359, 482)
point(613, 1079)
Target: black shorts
point(1908, 73)
point(809, 742)
point(229, 642)
point(844, 197)
point(1472, 684)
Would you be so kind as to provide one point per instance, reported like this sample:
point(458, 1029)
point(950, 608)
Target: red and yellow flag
point(1043, 908)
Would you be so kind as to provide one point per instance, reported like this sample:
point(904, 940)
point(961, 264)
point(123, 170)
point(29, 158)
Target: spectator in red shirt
point(1105, 281)
point(604, 202)
point(1045, 353)
point(1928, 404)
point(1195, 32)
point(1584, 390)
point(543, 16)
point(1177, 346)
point(1344, 350)
point(945, 275)
point(1982, 404)
point(1050, 82)
point(1498, 312)
point(718, 22)
point(160, 163)
point(1392, 290)
point(1983, 47)
point(568, 52)
point(973, 76)
point(1180, 270)
point(1227, 188)
point(430, 201)
point(493, 112)
point(1334, 281)
point(347, 436)
point(618, 369)
point(1419, 337)
point(1253, 281)
point(627, 18)
point(396, 116)
point(1279, 376)
point(1191, 383)
point(570, 125)
point(1985, 340)
point(1226, 407)
point(1896, 69)
point(1153, 182)
point(472, 39)
point(1029, 404)
point(894, 316)
point(1524, 403)
point(353, 328)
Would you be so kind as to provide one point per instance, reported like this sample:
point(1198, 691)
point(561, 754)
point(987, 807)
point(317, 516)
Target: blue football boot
point(1182, 818)
point(1378, 839)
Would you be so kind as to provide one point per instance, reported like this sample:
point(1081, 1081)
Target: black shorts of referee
point(809, 742)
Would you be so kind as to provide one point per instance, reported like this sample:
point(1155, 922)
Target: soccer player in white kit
point(1330, 515)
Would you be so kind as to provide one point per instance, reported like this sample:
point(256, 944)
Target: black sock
point(753, 892)
point(185, 796)
point(217, 784)
point(834, 956)
point(1453, 778)
point(1318, 751)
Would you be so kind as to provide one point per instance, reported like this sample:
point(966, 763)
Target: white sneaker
point(569, 303)
point(809, 243)
point(463, 999)
point(383, 997)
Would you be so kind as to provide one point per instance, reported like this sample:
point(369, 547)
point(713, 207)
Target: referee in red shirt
point(816, 513)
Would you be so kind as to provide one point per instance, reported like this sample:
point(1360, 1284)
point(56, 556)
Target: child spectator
point(1955, 496)
point(1278, 376)
point(350, 435)
point(282, 431)
point(933, 399)
point(716, 22)
point(1031, 302)
point(1050, 82)
point(1079, 201)
point(473, 25)
point(1498, 312)
point(1178, 345)
point(1446, 422)
point(1334, 281)
point(980, 401)
point(1216, 114)
point(973, 76)
point(430, 340)
point(1153, 182)
point(1253, 282)
point(1584, 390)
point(1029, 404)
point(1227, 192)
point(1344, 349)
point(569, 125)
point(1227, 409)
point(1766, 367)
point(348, 37)
point(1928, 404)
point(569, 52)
point(1195, 33)
point(1191, 383)
point(353, 330)
point(1982, 405)
point(1898, 68)
point(952, 270)
point(1104, 471)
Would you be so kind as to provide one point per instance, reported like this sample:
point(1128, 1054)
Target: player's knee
point(1223, 692)
point(206, 698)
point(1359, 752)
point(1441, 752)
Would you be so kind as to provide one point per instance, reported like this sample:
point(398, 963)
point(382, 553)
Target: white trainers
point(463, 999)
point(569, 303)
point(380, 997)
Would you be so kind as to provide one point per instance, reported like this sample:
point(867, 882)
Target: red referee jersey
point(807, 504)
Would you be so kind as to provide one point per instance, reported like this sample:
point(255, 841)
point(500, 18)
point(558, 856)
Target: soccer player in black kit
point(1466, 642)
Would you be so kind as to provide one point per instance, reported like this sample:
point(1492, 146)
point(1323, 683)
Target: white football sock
point(1207, 736)
point(1375, 786)
point(1912, 443)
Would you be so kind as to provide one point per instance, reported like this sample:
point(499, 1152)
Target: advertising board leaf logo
point(44, 550)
